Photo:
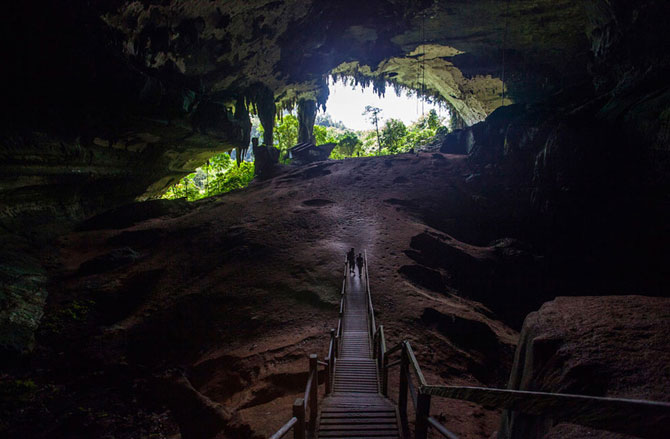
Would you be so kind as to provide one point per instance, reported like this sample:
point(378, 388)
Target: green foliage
point(324, 135)
point(285, 135)
point(416, 135)
point(373, 116)
point(393, 136)
point(348, 143)
point(237, 177)
point(218, 176)
point(433, 121)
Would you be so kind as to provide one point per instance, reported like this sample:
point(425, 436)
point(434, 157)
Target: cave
point(523, 247)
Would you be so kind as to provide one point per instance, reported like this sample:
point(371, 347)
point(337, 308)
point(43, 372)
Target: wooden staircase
point(355, 408)
point(356, 371)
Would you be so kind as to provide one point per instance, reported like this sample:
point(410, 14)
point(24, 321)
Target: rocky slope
point(197, 318)
point(224, 299)
point(111, 102)
point(598, 346)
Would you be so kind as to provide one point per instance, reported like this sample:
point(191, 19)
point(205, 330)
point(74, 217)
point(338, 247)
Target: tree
point(347, 143)
point(218, 176)
point(323, 135)
point(285, 134)
point(373, 116)
point(393, 136)
point(433, 120)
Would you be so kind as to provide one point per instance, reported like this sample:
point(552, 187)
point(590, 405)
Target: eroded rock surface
point(598, 346)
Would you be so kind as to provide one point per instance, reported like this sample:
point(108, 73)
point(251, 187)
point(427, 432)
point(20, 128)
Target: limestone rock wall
point(598, 346)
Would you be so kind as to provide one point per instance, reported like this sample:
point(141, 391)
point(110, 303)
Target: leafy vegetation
point(221, 174)
point(348, 145)
point(218, 176)
point(394, 138)
point(373, 116)
point(286, 135)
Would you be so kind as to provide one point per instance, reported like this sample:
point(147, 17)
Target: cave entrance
point(361, 118)
point(365, 120)
point(222, 173)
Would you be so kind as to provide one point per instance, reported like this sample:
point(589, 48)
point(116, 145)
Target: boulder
point(266, 157)
point(309, 153)
point(458, 142)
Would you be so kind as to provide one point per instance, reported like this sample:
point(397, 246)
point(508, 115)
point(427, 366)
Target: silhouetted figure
point(351, 259)
point(359, 262)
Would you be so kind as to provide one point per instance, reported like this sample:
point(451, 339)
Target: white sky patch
point(347, 104)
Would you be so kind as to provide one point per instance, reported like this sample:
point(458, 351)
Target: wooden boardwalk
point(356, 409)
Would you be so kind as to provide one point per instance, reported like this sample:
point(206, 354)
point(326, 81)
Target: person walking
point(351, 259)
point(359, 262)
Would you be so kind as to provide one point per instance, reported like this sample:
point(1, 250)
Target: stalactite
point(265, 104)
point(322, 96)
point(306, 118)
point(243, 119)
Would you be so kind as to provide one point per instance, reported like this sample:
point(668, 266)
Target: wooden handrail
point(301, 405)
point(395, 348)
point(415, 365)
point(646, 419)
point(308, 388)
point(299, 431)
point(621, 415)
point(395, 363)
point(285, 428)
point(440, 428)
point(371, 310)
point(309, 403)
point(413, 391)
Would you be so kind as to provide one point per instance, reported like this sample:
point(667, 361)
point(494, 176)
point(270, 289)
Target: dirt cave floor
point(199, 317)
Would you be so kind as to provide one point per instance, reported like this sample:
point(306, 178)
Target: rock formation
point(597, 346)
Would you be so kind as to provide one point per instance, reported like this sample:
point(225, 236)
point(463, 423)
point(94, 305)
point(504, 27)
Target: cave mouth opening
point(360, 116)
point(364, 119)
point(220, 174)
point(348, 97)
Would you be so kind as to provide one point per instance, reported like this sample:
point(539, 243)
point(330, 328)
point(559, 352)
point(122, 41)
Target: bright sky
point(347, 104)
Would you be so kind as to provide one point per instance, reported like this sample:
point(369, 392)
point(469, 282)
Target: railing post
point(327, 359)
point(375, 335)
point(422, 414)
point(331, 361)
point(299, 413)
point(313, 393)
point(402, 394)
point(385, 375)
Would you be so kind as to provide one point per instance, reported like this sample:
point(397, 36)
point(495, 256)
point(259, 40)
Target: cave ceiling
point(290, 46)
point(122, 98)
